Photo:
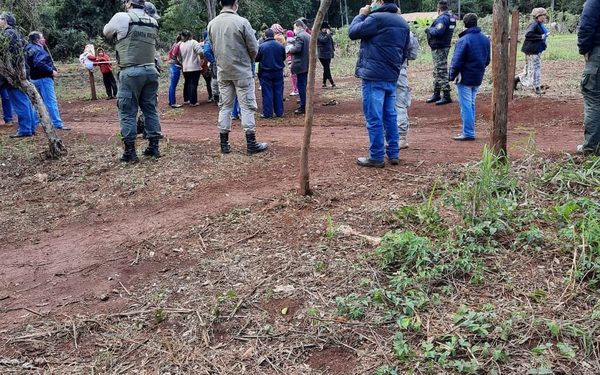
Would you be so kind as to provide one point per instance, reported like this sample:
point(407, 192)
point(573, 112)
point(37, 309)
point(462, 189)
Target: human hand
point(54, 74)
point(586, 56)
point(364, 11)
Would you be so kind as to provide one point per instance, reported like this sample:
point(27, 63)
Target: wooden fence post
point(92, 84)
point(310, 91)
point(514, 41)
point(501, 78)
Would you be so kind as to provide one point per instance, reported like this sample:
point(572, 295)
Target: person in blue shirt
point(533, 46)
point(588, 41)
point(439, 37)
point(271, 56)
point(384, 39)
point(471, 57)
point(42, 73)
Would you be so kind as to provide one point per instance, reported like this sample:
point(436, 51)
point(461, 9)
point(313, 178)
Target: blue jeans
point(7, 111)
point(138, 86)
point(466, 99)
point(175, 75)
point(28, 119)
point(45, 87)
point(379, 101)
point(271, 83)
point(302, 79)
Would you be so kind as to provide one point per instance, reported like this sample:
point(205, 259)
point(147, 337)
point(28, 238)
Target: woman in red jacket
point(102, 59)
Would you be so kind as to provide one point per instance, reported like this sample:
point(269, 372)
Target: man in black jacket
point(588, 40)
point(439, 37)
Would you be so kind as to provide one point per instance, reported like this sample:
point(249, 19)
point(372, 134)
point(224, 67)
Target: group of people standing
point(33, 57)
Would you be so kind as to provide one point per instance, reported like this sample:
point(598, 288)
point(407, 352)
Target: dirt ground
point(114, 267)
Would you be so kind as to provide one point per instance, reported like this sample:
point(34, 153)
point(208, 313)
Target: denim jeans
point(138, 86)
point(7, 110)
point(302, 80)
point(28, 119)
point(379, 100)
point(271, 83)
point(45, 87)
point(175, 75)
point(243, 89)
point(466, 99)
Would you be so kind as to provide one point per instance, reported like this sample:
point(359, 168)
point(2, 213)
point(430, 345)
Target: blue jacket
point(38, 61)
point(385, 37)
point(208, 52)
point(471, 56)
point(439, 35)
point(271, 56)
point(535, 39)
point(588, 36)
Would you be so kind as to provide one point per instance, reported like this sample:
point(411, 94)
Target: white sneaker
point(293, 94)
point(403, 143)
point(580, 149)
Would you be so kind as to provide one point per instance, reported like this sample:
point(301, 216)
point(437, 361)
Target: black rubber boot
point(253, 146)
point(216, 99)
point(152, 149)
point(446, 98)
point(129, 155)
point(434, 98)
point(225, 146)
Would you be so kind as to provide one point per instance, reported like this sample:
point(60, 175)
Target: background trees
point(70, 24)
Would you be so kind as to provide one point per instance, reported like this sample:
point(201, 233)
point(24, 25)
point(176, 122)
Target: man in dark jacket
point(326, 52)
point(27, 117)
point(385, 37)
point(439, 37)
point(471, 57)
point(271, 56)
point(588, 40)
point(299, 67)
point(42, 73)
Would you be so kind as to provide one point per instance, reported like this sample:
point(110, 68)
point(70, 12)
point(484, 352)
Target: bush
point(66, 43)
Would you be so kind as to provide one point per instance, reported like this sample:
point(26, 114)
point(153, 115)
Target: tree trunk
point(310, 91)
point(501, 78)
point(55, 144)
point(211, 6)
point(514, 41)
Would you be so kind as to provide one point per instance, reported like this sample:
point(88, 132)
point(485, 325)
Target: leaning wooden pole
point(500, 77)
point(512, 62)
point(310, 91)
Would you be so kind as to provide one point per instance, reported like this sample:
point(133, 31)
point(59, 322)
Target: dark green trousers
point(590, 87)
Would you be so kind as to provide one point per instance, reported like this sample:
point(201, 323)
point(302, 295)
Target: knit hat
point(9, 18)
point(536, 12)
point(325, 25)
point(290, 34)
point(277, 28)
point(269, 33)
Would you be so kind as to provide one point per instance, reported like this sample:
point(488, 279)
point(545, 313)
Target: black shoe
point(216, 99)
point(517, 80)
point(152, 149)
point(332, 84)
point(225, 146)
point(129, 155)
point(299, 111)
point(434, 98)
point(394, 161)
point(462, 137)
point(20, 135)
point(366, 162)
point(324, 86)
point(265, 117)
point(446, 99)
point(538, 91)
point(252, 146)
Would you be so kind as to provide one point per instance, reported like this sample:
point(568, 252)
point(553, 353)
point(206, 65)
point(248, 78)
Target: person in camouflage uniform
point(439, 37)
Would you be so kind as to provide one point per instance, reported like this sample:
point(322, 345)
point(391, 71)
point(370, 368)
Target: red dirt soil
point(64, 269)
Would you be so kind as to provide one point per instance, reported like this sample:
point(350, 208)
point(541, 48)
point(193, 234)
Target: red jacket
point(104, 68)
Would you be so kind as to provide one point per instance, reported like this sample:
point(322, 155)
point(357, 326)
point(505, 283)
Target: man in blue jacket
point(271, 56)
point(471, 57)
point(42, 73)
point(588, 40)
point(385, 37)
point(439, 37)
